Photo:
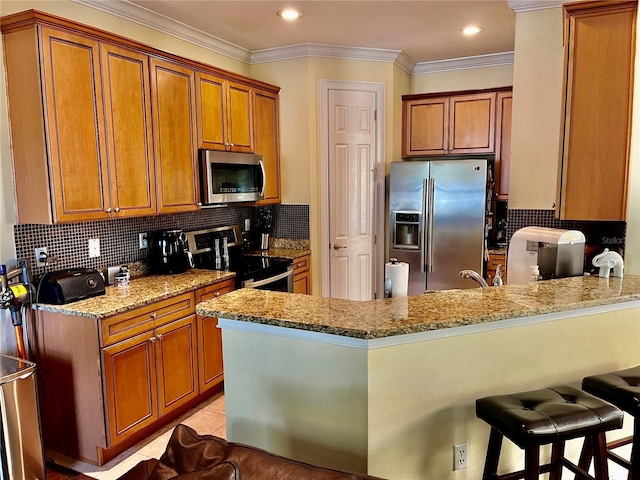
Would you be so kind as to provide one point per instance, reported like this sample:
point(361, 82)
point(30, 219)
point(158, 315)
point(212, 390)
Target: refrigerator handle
point(423, 225)
point(430, 246)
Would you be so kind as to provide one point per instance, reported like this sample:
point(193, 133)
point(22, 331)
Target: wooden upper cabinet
point(503, 145)
point(599, 56)
point(267, 142)
point(456, 124)
point(173, 95)
point(127, 102)
point(224, 114)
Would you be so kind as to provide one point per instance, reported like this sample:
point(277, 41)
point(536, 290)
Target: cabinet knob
point(159, 337)
point(117, 209)
point(217, 294)
point(154, 315)
point(152, 339)
point(108, 209)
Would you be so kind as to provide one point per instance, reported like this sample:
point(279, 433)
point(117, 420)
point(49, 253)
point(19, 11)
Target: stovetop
point(201, 245)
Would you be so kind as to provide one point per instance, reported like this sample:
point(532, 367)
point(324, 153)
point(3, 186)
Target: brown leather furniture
point(190, 456)
point(621, 388)
point(550, 415)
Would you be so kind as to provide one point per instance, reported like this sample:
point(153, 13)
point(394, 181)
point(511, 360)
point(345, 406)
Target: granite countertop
point(288, 253)
point(431, 311)
point(497, 250)
point(140, 292)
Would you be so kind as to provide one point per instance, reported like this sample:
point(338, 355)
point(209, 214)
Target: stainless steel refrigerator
point(437, 221)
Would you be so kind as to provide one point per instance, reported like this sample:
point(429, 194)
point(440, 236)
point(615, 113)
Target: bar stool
point(622, 389)
point(549, 415)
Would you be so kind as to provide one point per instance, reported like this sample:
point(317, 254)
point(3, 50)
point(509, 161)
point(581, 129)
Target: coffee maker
point(169, 252)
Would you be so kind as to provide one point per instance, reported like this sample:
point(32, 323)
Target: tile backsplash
point(609, 235)
point(119, 244)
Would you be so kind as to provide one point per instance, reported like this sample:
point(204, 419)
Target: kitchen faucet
point(475, 276)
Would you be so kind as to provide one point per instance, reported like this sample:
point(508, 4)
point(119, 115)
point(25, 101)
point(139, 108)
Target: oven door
point(283, 282)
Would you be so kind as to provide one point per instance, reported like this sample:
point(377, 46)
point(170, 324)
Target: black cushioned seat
point(621, 388)
point(549, 415)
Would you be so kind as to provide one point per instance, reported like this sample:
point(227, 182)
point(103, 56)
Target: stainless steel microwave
point(227, 177)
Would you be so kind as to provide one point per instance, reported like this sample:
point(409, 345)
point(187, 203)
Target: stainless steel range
point(221, 248)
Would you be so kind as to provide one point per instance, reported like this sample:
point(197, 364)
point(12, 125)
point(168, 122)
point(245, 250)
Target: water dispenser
point(406, 230)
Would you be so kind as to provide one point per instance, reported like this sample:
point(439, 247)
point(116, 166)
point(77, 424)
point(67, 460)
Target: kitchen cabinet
point(302, 275)
point(225, 117)
point(173, 95)
point(210, 371)
point(503, 145)
point(496, 259)
point(104, 127)
point(267, 142)
point(451, 124)
point(98, 162)
point(594, 164)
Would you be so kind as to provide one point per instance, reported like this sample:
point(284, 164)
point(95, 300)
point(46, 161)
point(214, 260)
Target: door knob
point(338, 247)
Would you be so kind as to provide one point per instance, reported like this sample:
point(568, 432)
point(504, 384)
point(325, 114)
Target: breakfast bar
point(387, 387)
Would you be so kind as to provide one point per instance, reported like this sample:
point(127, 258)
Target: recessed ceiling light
point(471, 30)
point(290, 14)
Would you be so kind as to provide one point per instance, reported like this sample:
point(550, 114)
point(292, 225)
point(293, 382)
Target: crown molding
point(145, 17)
point(463, 63)
point(519, 6)
point(332, 51)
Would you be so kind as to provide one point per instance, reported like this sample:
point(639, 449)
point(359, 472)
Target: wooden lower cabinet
point(302, 275)
point(108, 383)
point(210, 372)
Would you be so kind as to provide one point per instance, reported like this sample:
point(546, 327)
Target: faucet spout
point(475, 276)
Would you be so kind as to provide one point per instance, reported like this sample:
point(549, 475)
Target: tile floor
point(206, 418)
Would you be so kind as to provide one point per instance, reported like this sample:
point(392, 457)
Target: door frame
point(379, 185)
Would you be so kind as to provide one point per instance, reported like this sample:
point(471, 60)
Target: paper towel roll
point(399, 274)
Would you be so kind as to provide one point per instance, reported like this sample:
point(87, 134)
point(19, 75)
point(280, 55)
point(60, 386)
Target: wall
point(456, 80)
point(537, 99)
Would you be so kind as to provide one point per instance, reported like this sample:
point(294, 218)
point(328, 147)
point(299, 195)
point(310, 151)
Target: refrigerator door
point(407, 198)
point(456, 228)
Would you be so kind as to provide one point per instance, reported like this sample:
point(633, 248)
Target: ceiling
point(423, 30)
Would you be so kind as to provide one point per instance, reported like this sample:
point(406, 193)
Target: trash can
point(21, 452)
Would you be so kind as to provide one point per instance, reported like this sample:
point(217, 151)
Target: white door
point(351, 188)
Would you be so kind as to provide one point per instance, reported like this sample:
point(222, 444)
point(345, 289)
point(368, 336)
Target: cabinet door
point(472, 123)
point(210, 366)
point(503, 145)
point(129, 134)
point(426, 127)
point(176, 363)
point(173, 103)
point(599, 53)
point(239, 117)
point(267, 142)
point(302, 275)
point(211, 104)
point(75, 123)
point(130, 386)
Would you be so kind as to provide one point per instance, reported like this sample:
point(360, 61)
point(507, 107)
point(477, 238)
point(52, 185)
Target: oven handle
point(269, 280)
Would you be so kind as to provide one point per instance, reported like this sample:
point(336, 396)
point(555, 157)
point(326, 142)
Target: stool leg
point(585, 455)
point(493, 455)
point(599, 448)
point(532, 463)
point(557, 452)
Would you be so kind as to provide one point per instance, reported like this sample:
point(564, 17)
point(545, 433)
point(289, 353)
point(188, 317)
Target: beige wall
point(471, 79)
point(537, 99)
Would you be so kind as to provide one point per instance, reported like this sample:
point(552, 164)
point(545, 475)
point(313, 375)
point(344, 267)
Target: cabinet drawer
point(213, 291)
point(145, 318)
point(301, 264)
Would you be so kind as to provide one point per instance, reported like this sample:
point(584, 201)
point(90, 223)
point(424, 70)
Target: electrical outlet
point(142, 240)
point(94, 247)
point(38, 252)
point(460, 456)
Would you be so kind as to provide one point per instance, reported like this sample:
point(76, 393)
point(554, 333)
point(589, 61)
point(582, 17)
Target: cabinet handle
point(217, 294)
point(108, 209)
point(154, 315)
point(153, 339)
point(159, 337)
point(117, 209)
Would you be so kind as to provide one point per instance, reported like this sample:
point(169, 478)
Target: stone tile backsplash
point(119, 237)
